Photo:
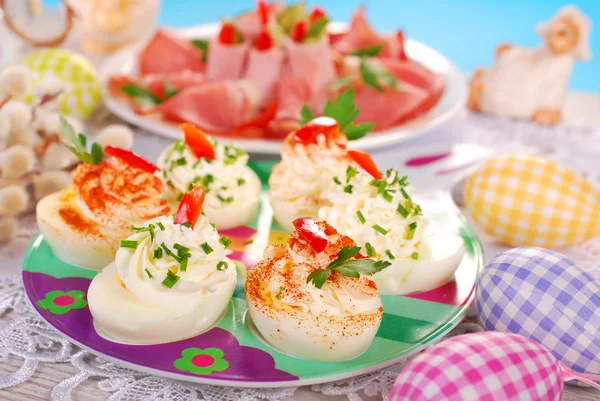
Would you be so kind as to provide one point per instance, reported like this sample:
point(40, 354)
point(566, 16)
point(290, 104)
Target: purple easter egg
point(488, 366)
point(545, 296)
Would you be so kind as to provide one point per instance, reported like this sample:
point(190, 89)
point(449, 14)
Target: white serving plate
point(452, 101)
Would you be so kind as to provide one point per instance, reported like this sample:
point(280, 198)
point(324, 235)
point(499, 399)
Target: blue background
point(466, 31)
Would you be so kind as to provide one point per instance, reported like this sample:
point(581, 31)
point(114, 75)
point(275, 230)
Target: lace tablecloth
point(38, 364)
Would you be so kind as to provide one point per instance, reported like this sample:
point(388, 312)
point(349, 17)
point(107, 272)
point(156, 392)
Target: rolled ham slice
point(249, 25)
point(391, 107)
point(292, 93)
point(226, 62)
point(156, 82)
point(216, 107)
point(314, 64)
point(166, 53)
point(263, 70)
point(359, 36)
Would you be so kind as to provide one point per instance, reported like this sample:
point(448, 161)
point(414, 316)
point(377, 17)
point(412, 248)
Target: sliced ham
point(263, 70)
point(418, 76)
point(292, 94)
point(314, 63)
point(166, 53)
point(156, 82)
point(359, 36)
point(249, 24)
point(226, 62)
point(391, 107)
point(216, 107)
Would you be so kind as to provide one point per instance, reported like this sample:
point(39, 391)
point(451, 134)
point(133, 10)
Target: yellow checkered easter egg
point(83, 90)
point(533, 201)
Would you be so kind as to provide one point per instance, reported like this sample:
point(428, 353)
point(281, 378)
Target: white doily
point(25, 336)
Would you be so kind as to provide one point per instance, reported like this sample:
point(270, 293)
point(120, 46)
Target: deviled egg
point(85, 222)
point(308, 299)
point(232, 188)
point(378, 212)
point(170, 280)
point(311, 157)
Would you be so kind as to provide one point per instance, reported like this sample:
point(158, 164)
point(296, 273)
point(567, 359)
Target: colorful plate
point(451, 102)
point(230, 354)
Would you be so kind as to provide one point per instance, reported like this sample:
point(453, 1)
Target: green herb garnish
point(402, 210)
point(170, 280)
point(337, 181)
point(170, 253)
point(370, 250)
point(415, 255)
point(360, 216)
point(148, 273)
point(206, 248)
point(170, 90)
point(78, 144)
point(229, 199)
point(278, 295)
point(368, 51)
point(222, 265)
point(375, 77)
point(390, 255)
point(349, 268)
point(380, 229)
point(158, 253)
point(202, 45)
point(183, 264)
point(142, 95)
point(129, 244)
point(187, 223)
point(241, 181)
point(225, 241)
point(348, 189)
point(180, 162)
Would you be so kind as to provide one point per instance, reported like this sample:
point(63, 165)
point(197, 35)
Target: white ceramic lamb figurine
point(533, 83)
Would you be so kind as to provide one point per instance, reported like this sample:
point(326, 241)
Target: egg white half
point(440, 254)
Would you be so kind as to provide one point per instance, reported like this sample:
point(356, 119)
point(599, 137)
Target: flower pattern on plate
point(202, 361)
point(61, 302)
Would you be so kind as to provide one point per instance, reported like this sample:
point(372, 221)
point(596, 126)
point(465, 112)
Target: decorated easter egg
point(533, 201)
point(543, 295)
point(481, 366)
point(82, 88)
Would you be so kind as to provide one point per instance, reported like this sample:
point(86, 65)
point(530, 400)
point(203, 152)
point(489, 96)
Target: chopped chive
point(170, 253)
point(148, 273)
point(183, 264)
point(207, 180)
point(402, 210)
point(404, 193)
point(181, 248)
point(161, 226)
point(151, 229)
point(170, 280)
point(409, 205)
point(403, 181)
point(241, 181)
point(164, 173)
point(410, 234)
point(390, 255)
point(206, 248)
point(415, 255)
point(380, 229)
point(187, 224)
point(179, 197)
point(180, 162)
point(370, 250)
point(213, 225)
point(225, 200)
point(129, 244)
point(375, 183)
point(179, 145)
point(139, 229)
point(170, 183)
point(417, 211)
point(222, 265)
point(360, 216)
point(413, 225)
point(350, 172)
point(278, 295)
point(348, 189)
point(158, 253)
point(386, 195)
point(337, 181)
point(225, 241)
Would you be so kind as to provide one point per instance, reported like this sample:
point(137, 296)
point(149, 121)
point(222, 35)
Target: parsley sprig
point(368, 51)
point(344, 111)
point(79, 144)
point(349, 268)
point(376, 77)
point(142, 95)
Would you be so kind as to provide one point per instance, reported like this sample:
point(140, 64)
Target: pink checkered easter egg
point(486, 366)
point(533, 201)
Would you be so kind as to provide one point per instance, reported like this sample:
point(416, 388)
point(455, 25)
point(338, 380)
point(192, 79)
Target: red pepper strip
point(228, 34)
point(264, 41)
point(310, 231)
point(263, 11)
point(320, 125)
point(364, 160)
point(317, 13)
point(401, 52)
point(197, 141)
point(131, 158)
point(190, 207)
point(299, 31)
point(261, 120)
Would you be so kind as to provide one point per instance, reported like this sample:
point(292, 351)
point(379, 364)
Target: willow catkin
point(116, 135)
point(15, 80)
point(57, 157)
point(8, 228)
point(26, 137)
point(19, 114)
point(52, 124)
point(13, 200)
point(49, 182)
point(16, 161)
